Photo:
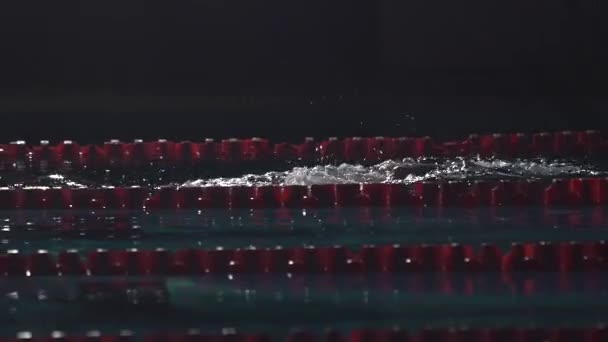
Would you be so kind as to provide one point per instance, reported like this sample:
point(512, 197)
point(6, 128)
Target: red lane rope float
point(535, 256)
point(69, 155)
point(584, 334)
point(571, 192)
point(598, 333)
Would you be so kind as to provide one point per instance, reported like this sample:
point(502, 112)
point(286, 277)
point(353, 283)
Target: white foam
point(406, 171)
point(390, 171)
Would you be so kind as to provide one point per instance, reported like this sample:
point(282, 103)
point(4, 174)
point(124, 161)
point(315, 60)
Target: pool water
point(28, 231)
point(278, 303)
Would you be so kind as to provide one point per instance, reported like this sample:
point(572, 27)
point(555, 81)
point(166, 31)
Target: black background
point(99, 69)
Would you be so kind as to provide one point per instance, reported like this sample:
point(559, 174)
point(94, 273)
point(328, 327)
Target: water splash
point(390, 171)
point(410, 171)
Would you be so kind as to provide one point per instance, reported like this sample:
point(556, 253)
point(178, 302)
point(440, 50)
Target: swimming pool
point(454, 240)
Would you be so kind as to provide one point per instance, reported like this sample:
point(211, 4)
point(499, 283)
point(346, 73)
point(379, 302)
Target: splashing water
point(409, 171)
point(390, 171)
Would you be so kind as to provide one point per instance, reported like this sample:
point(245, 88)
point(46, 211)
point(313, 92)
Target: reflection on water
point(316, 301)
point(32, 230)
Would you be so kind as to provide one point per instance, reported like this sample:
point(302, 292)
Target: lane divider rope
point(556, 192)
point(541, 256)
point(597, 333)
point(69, 155)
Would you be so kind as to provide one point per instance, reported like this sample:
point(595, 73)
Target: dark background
point(98, 69)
